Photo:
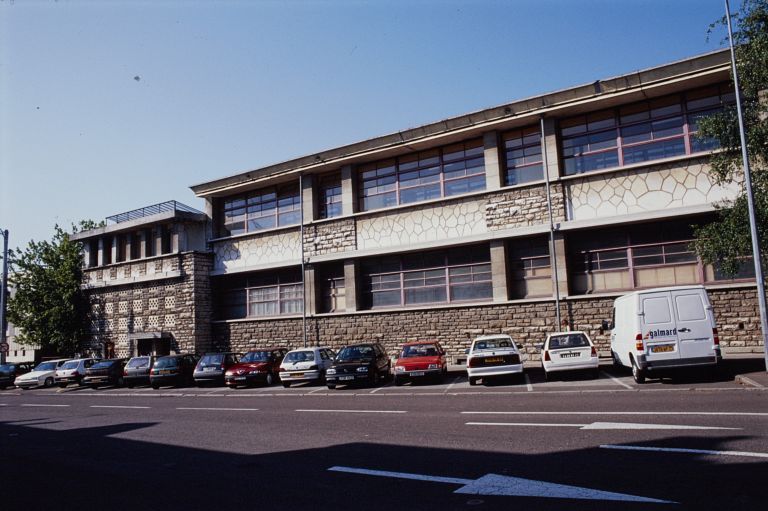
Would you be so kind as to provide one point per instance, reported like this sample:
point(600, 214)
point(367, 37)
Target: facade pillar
point(113, 248)
point(157, 240)
point(499, 273)
point(128, 246)
point(209, 228)
point(175, 239)
point(142, 244)
point(550, 145)
point(100, 252)
point(562, 264)
point(309, 204)
point(352, 298)
point(87, 254)
point(348, 190)
point(494, 175)
point(311, 297)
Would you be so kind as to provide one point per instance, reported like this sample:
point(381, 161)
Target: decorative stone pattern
point(119, 274)
point(330, 237)
point(527, 323)
point(523, 207)
point(257, 250)
point(672, 185)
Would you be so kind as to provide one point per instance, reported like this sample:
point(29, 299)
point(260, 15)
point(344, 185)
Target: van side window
point(690, 307)
point(656, 310)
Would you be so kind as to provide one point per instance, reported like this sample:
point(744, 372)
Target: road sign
point(4, 347)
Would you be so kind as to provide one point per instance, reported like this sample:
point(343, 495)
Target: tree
point(48, 304)
point(726, 242)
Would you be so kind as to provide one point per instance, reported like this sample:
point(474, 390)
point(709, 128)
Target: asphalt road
point(570, 444)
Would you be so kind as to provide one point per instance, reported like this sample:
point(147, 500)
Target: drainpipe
point(552, 254)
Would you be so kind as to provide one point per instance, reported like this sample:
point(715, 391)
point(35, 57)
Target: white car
point(493, 355)
point(73, 371)
point(569, 351)
point(41, 376)
point(305, 364)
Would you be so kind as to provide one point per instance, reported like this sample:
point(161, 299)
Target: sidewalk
point(748, 369)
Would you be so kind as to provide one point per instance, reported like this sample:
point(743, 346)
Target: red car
point(421, 360)
point(256, 366)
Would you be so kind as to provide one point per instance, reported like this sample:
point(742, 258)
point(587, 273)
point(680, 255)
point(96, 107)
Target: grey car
point(137, 369)
point(212, 366)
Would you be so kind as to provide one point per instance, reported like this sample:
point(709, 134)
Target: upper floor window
point(644, 131)
point(443, 172)
point(523, 156)
point(530, 267)
point(262, 209)
point(329, 196)
point(270, 293)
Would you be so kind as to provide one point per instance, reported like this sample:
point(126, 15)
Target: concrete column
point(550, 145)
point(348, 190)
point(183, 235)
point(175, 241)
point(311, 293)
point(157, 240)
point(128, 245)
point(494, 175)
point(100, 253)
point(351, 271)
point(499, 275)
point(87, 254)
point(209, 225)
point(558, 249)
point(142, 244)
point(309, 202)
point(113, 248)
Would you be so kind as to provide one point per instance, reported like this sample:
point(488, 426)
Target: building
point(443, 231)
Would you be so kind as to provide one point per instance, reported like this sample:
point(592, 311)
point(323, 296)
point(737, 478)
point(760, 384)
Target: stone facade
point(177, 303)
point(523, 207)
point(257, 249)
point(330, 237)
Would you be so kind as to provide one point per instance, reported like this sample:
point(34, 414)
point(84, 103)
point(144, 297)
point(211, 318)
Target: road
point(570, 444)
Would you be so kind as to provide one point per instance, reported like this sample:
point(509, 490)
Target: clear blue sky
point(107, 106)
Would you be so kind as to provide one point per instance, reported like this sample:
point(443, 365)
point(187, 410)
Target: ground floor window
point(270, 293)
point(332, 288)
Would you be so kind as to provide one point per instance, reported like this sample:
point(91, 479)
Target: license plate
point(569, 355)
point(295, 375)
point(492, 360)
point(346, 377)
point(417, 373)
point(239, 378)
point(209, 369)
point(662, 349)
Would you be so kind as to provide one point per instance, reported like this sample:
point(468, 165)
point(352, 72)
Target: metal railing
point(163, 207)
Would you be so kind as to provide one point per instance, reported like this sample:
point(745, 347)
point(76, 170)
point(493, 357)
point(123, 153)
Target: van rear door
point(659, 327)
point(694, 323)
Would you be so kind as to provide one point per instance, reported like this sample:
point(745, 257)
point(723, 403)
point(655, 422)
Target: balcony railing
point(163, 207)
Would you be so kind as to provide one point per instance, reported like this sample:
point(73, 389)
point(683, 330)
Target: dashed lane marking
point(38, 405)
point(122, 407)
point(599, 425)
point(528, 383)
point(350, 411)
point(219, 409)
point(687, 451)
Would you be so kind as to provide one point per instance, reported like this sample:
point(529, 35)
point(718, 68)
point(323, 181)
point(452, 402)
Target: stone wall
point(527, 323)
point(523, 207)
point(330, 237)
point(177, 305)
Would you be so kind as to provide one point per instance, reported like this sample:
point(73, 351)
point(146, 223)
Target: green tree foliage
point(48, 304)
point(727, 241)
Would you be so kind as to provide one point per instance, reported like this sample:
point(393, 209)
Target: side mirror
point(607, 325)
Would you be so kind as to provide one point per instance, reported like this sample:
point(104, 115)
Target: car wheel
point(129, 385)
point(473, 380)
point(637, 373)
point(398, 381)
point(286, 384)
point(596, 374)
point(120, 381)
point(270, 379)
point(94, 386)
point(331, 386)
point(3, 387)
point(155, 386)
point(48, 382)
point(375, 378)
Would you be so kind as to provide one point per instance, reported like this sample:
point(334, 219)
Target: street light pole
point(3, 293)
point(750, 196)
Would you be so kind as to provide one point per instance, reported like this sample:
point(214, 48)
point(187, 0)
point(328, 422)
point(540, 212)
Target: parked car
point(256, 366)
point(105, 372)
point(173, 370)
point(73, 371)
point(569, 351)
point(41, 376)
point(136, 371)
point(664, 328)
point(212, 366)
point(359, 363)
point(10, 371)
point(420, 360)
point(305, 364)
point(493, 355)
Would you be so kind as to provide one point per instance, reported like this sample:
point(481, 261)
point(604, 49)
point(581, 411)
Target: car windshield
point(355, 353)
point(256, 356)
point(72, 364)
point(419, 350)
point(300, 356)
point(46, 366)
point(102, 365)
point(492, 344)
point(166, 362)
point(138, 362)
point(568, 341)
point(212, 359)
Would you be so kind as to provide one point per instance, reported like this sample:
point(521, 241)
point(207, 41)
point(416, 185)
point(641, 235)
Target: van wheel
point(637, 373)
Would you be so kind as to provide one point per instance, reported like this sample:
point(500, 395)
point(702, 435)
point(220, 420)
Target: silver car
point(73, 371)
point(212, 366)
point(305, 364)
point(42, 375)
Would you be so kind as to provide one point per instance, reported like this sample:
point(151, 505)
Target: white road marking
point(317, 390)
point(220, 409)
point(528, 383)
point(124, 407)
point(616, 380)
point(379, 388)
point(352, 411)
point(752, 382)
point(719, 414)
point(449, 387)
point(45, 406)
point(688, 451)
point(494, 484)
point(599, 425)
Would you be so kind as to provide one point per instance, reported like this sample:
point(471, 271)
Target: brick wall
point(330, 237)
point(523, 206)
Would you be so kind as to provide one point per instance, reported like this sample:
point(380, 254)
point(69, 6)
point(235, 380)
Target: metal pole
point(3, 292)
point(552, 253)
point(750, 196)
point(303, 280)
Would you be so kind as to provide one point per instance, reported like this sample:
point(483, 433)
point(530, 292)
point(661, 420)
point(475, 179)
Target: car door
point(694, 324)
point(659, 327)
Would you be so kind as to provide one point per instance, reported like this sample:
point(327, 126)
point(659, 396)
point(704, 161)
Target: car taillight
point(125, 372)
point(546, 357)
point(716, 336)
point(639, 342)
point(472, 362)
point(594, 351)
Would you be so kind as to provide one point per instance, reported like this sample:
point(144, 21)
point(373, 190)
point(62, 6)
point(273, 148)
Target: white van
point(664, 328)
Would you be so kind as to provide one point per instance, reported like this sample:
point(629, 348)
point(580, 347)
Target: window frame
point(330, 205)
point(523, 132)
point(284, 201)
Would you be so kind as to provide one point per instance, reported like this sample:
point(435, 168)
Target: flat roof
point(667, 78)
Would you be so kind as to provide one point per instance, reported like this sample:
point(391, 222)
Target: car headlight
point(254, 371)
point(399, 369)
point(331, 371)
point(363, 369)
point(433, 366)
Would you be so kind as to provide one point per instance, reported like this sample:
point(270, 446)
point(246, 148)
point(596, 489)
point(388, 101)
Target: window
point(259, 210)
point(332, 288)
point(530, 268)
point(443, 172)
point(329, 195)
point(456, 275)
point(645, 131)
point(263, 294)
point(523, 156)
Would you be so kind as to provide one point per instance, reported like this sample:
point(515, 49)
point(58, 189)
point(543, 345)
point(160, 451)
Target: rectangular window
point(261, 294)
point(644, 131)
point(329, 196)
point(530, 268)
point(450, 170)
point(259, 210)
point(455, 275)
point(332, 288)
point(523, 156)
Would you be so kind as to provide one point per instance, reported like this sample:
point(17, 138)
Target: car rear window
point(138, 362)
point(212, 359)
point(300, 356)
point(72, 364)
point(166, 362)
point(103, 365)
point(492, 344)
point(256, 356)
point(568, 341)
point(419, 350)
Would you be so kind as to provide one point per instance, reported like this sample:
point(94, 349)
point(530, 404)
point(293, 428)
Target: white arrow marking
point(494, 484)
point(688, 451)
point(596, 425)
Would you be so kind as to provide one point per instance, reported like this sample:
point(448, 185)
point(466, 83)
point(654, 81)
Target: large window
point(457, 275)
point(530, 267)
point(329, 196)
point(450, 170)
point(523, 156)
point(271, 293)
point(332, 288)
point(644, 131)
point(262, 209)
